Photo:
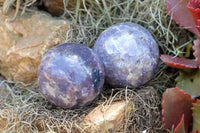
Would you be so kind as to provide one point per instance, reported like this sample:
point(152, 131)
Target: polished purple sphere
point(70, 75)
point(129, 54)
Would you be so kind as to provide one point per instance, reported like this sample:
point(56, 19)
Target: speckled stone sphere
point(129, 54)
point(70, 75)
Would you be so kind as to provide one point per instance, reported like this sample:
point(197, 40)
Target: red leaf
point(194, 7)
point(180, 127)
point(181, 14)
point(196, 48)
point(195, 132)
point(198, 25)
point(176, 103)
point(177, 62)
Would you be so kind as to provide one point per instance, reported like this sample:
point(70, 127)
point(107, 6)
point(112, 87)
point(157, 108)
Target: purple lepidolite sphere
point(70, 75)
point(129, 54)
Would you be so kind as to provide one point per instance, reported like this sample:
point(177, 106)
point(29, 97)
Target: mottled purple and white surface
point(129, 53)
point(70, 75)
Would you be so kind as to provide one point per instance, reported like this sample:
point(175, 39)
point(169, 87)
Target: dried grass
point(26, 110)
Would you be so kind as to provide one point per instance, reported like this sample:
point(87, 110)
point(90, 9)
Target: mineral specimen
point(129, 54)
point(71, 75)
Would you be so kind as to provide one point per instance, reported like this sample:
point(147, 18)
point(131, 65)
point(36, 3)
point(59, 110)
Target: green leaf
point(189, 82)
point(196, 116)
point(188, 50)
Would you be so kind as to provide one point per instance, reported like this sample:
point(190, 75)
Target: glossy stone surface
point(129, 54)
point(70, 75)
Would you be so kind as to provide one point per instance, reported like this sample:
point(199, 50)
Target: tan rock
point(24, 42)
point(56, 7)
point(105, 118)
